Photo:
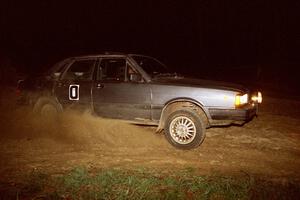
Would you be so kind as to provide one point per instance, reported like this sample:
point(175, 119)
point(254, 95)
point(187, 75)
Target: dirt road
point(268, 146)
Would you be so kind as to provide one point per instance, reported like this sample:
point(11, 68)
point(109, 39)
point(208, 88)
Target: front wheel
point(185, 129)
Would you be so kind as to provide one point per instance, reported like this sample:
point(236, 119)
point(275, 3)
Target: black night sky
point(190, 36)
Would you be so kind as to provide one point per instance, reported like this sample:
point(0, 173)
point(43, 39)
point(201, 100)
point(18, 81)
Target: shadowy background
point(251, 42)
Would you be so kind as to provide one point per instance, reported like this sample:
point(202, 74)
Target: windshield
point(152, 66)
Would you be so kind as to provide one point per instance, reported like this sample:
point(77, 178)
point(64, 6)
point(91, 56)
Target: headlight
point(241, 99)
point(257, 98)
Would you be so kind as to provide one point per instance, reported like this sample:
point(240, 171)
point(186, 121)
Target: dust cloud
point(72, 127)
point(74, 138)
point(77, 128)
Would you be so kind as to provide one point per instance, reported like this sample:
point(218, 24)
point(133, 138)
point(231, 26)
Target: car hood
point(202, 83)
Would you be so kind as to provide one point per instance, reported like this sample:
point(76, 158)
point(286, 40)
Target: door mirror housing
point(54, 76)
point(78, 74)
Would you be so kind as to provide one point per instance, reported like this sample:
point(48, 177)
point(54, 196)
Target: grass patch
point(80, 183)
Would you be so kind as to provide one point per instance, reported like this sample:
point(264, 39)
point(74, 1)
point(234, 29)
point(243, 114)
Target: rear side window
point(80, 70)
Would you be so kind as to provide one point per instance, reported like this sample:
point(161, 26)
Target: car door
point(116, 96)
point(73, 89)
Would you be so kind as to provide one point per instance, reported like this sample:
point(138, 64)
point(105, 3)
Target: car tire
point(185, 128)
point(47, 107)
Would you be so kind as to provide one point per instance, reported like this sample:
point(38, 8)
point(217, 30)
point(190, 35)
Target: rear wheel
point(47, 108)
point(185, 128)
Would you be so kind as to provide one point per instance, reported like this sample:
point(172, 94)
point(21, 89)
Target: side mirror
point(54, 76)
point(135, 77)
point(78, 74)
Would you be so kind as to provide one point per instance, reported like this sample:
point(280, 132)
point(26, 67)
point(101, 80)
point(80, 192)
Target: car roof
point(105, 54)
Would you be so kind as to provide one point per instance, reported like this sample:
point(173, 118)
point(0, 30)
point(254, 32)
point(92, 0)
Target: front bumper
point(228, 116)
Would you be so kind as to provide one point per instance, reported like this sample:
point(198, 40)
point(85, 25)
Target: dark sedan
point(140, 89)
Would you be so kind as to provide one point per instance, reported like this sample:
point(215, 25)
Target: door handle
point(99, 85)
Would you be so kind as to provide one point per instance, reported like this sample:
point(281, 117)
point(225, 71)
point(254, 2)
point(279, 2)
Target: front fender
point(174, 104)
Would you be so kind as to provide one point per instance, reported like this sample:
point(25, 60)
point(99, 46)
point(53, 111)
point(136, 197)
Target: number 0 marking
point(74, 92)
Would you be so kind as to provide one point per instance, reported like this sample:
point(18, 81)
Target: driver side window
point(112, 69)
